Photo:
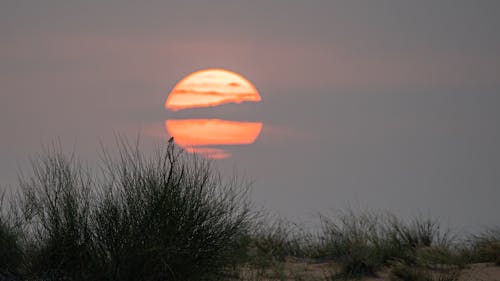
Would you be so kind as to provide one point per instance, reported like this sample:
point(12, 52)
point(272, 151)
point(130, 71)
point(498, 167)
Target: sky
point(381, 105)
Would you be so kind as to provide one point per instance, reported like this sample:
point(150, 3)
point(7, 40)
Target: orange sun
point(211, 87)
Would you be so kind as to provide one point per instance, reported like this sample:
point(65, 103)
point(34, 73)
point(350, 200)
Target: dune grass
point(484, 247)
point(170, 216)
point(365, 242)
point(11, 253)
point(166, 216)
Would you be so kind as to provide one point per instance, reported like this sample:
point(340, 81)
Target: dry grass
point(168, 216)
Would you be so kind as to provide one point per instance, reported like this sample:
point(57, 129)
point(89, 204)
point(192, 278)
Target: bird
point(171, 140)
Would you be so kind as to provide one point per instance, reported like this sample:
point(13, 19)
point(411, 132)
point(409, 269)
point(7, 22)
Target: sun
point(211, 87)
point(208, 88)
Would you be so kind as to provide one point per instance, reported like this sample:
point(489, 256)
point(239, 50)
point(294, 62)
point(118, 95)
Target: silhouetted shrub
point(56, 203)
point(11, 255)
point(166, 216)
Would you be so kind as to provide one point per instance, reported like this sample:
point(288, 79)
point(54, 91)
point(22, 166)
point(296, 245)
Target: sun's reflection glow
point(209, 152)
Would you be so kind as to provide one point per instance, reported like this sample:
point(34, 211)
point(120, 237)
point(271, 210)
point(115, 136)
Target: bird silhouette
point(171, 140)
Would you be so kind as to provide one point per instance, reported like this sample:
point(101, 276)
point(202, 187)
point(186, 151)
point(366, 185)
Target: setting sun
point(211, 87)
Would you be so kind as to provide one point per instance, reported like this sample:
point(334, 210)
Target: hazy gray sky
point(372, 104)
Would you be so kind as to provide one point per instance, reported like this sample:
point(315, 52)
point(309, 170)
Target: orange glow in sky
point(209, 152)
point(203, 132)
point(211, 87)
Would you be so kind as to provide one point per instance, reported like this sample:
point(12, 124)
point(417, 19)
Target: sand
point(309, 271)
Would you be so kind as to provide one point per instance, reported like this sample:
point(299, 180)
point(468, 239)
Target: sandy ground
point(481, 272)
point(473, 272)
point(304, 271)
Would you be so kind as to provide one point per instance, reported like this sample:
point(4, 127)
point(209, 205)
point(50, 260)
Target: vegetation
point(163, 217)
point(170, 216)
point(11, 253)
point(484, 247)
point(363, 243)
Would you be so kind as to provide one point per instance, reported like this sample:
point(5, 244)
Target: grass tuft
point(170, 216)
point(365, 242)
point(484, 247)
point(166, 216)
point(11, 256)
